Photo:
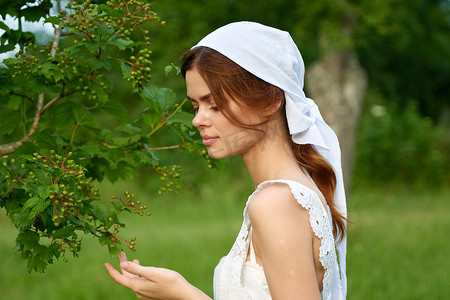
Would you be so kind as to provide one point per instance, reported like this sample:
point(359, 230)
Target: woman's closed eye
point(213, 108)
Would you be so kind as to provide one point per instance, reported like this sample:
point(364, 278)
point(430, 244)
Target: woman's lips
point(209, 140)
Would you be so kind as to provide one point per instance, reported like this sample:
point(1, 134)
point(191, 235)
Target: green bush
point(400, 146)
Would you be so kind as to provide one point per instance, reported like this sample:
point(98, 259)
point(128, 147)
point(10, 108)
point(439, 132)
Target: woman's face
point(221, 137)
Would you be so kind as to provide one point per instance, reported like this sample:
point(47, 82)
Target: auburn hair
point(226, 79)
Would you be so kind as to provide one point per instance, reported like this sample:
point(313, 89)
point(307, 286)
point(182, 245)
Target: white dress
point(238, 279)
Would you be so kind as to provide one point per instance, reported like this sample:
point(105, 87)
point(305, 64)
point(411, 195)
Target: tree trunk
point(337, 83)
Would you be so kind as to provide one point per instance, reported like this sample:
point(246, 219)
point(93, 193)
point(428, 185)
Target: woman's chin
point(218, 153)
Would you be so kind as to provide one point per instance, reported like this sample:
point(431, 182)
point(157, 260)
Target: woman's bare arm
point(283, 239)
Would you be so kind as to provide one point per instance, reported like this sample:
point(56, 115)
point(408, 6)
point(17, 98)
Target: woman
point(245, 82)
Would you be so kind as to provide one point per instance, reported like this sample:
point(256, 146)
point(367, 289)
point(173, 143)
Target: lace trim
point(320, 224)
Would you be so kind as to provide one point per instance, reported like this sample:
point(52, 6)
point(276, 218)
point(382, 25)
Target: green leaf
point(7, 48)
point(120, 141)
point(4, 27)
point(28, 238)
point(122, 44)
point(106, 133)
point(114, 154)
point(164, 98)
point(45, 139)
point(114, 13)
point(48, 69)
point(105, 30)
point(115, 109)
point(95, 63)
point(126, 170)
point(101, 95)
point(9, 122)
point(42, 256)
point(27, 37)
point(125, 70)
point(172, 67)
point(144, 157)
point(83, 116)
point(67, 230)
point(34, 13)
point(44, 191)
point(53, 20)
point(150, 116)
point(104, 7)
point(101, 213)
point(32, 208)
point(14, 102)
point(91, 148)
point(60, 140)
point(96, 167)
point(128, 128)
point(123, 170)
point(64, 114)
point(183, 118)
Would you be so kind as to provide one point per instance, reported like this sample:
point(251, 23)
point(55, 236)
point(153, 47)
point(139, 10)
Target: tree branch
point(55, 41)
point(11, 147)
point(40, 108)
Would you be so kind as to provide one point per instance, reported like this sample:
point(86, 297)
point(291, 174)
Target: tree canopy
point(403, 45)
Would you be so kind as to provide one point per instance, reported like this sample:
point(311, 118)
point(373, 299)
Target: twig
point(23, 96)
point(162, 148)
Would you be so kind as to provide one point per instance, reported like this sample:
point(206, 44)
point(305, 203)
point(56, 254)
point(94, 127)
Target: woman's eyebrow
point(201, 99)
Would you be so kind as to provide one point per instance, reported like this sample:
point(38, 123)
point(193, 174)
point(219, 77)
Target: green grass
point(398, 242)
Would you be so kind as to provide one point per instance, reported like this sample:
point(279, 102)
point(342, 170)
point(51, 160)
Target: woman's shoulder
point(284, 196)
point(274, 198)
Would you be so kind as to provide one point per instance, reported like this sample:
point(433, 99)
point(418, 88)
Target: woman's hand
point(153, 283)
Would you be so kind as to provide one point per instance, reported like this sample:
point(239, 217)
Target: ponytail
point(324, 177)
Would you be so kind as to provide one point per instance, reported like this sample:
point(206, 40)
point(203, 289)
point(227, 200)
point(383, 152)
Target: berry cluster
point(140, 68)
point(26, 62)
point(61, 67)
point(83, 20)
point(170, 176)
point(135, 14)
point(56, 197)
point(123, 18)
point(109, 23)
point(198, 147)
point(134, 206)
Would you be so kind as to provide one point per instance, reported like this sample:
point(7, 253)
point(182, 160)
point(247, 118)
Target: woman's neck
point(272, 158)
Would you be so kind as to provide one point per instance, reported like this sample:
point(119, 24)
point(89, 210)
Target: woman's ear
point(271, 110)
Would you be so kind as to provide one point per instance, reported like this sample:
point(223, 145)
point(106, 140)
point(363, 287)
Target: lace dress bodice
point(237, 279)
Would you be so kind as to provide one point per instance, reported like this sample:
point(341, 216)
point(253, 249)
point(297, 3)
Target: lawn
point(397, 249)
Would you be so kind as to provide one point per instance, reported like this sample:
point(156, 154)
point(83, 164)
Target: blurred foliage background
point(399, 202)
point(404, 46)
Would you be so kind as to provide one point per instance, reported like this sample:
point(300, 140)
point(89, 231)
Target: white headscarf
point(272, 55)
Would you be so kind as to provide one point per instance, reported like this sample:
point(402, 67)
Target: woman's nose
point(201, 119)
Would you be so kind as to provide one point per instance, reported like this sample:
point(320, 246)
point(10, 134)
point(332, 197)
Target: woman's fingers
point(134, 268)
point(119, 278)
point(123, 258)
point(149, 282)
